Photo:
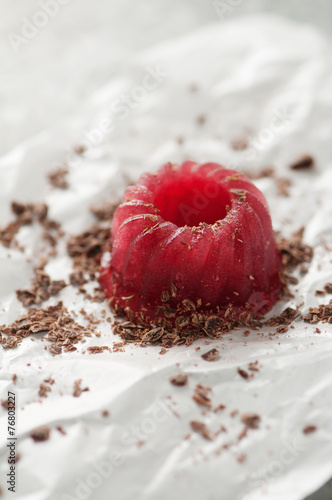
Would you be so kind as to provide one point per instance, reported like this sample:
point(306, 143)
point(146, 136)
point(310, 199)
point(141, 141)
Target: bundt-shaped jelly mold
point(189, 240)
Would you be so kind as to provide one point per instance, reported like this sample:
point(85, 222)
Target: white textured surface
point(248, 76)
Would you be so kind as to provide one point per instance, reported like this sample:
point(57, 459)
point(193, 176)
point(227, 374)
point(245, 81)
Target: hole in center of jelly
point(187, 200)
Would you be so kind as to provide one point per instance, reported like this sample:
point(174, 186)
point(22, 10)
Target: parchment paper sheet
point(270, 80)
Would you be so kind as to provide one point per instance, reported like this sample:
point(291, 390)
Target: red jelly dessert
point(189, 242)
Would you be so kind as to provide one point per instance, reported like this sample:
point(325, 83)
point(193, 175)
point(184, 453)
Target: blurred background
point(39, 88)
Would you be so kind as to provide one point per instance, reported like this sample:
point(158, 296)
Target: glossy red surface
point(203, 228)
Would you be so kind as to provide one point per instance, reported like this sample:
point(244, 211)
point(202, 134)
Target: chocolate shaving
point(241, 458)
point(282, 329)
point(179, 380)
point(193, 87)
point(321, 313)
point(201, 119)
point(201, 395)
point(240, 144)
point(243, 433)
point(165, 296)
point(77, 388)
point(294, 251)
point(41, 433)
point(27, 214)
point(219, 408)
point(304, 162)
point(190, 324)
point(210, 355)
point(263, 173)
point(49, 380)
point(309, 429)
point(105, 211)
point(95, 349)
point(142, 335)
point(85, 249)
point(285, 318)
point(79, 149)
point(54, 322)
point(42, 288)
point(253, 366)
point(77, 278)
point(201, 429)
point(251, 420)
point(43, 390)
point(61, 430)
point(282, 183)
point(55, 349)
point(58, 178)
point(7, 235)
point(243, 373)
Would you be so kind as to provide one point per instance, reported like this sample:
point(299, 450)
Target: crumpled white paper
point(270, 80)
